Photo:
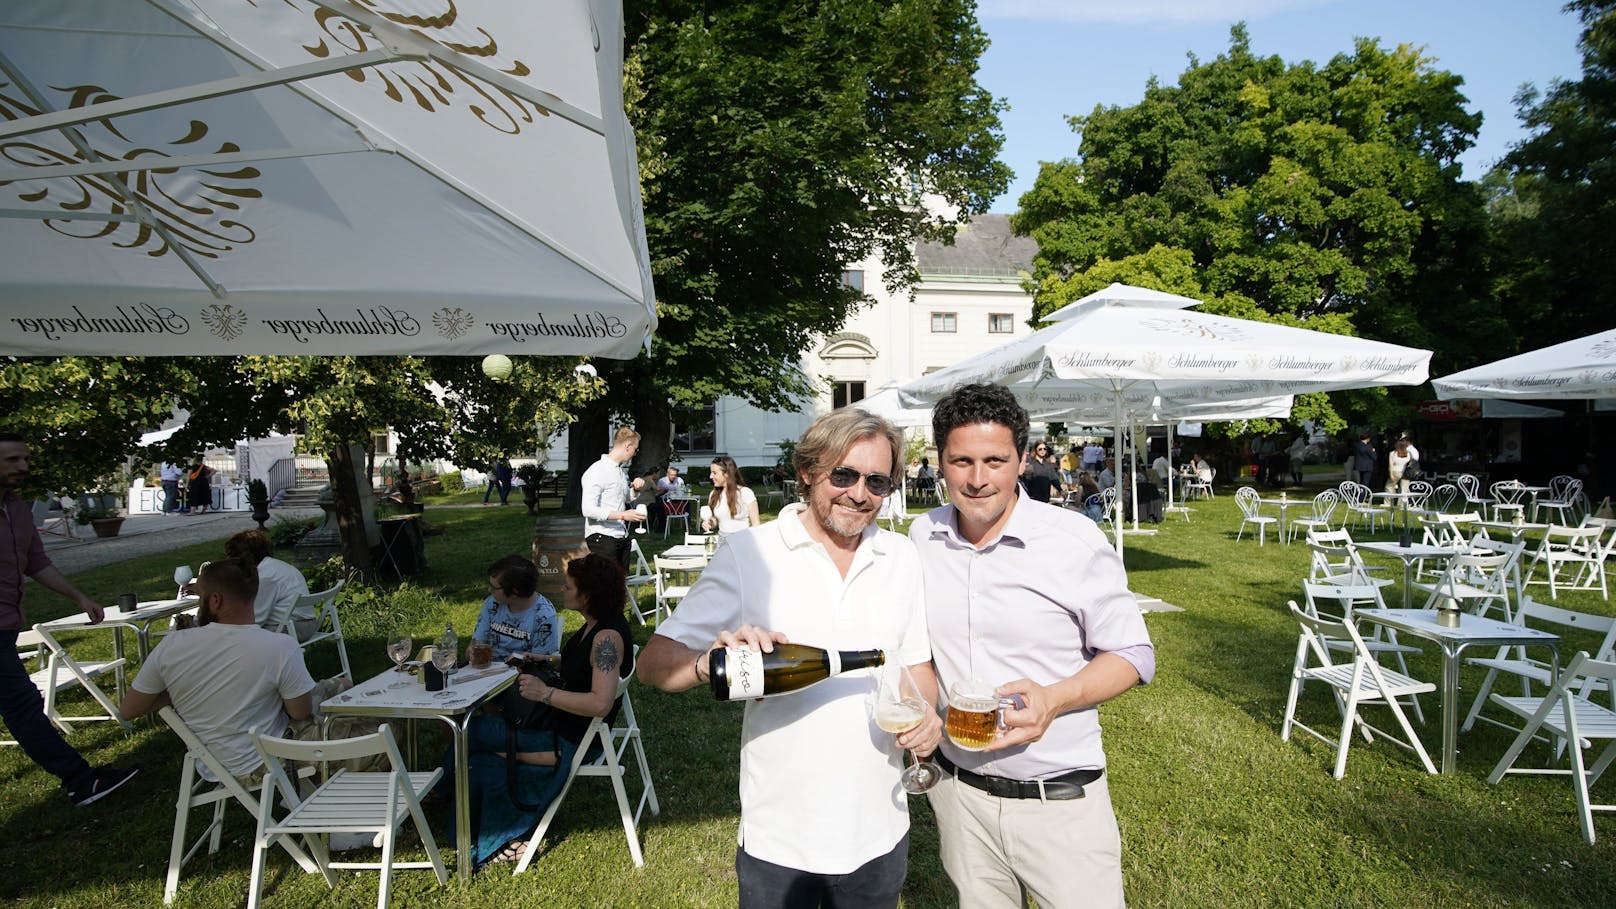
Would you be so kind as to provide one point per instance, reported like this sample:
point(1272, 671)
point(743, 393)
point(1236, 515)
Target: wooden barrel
point(555, 539)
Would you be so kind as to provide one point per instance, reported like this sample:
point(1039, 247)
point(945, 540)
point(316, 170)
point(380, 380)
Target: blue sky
point(1052, 58)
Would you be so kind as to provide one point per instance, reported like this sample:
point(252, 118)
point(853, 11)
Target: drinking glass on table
point(444, 658)
point(398, 650)
point(899, 707)
point(480, 652)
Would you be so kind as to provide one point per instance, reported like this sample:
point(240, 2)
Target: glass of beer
point(480, 653)
point(973, 714)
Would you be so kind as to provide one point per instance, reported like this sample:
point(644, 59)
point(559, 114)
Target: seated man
point(279, 584)
point(227, 678)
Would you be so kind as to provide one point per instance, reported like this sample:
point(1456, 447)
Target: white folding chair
point(1324, 505)
point(1480, 579)
point(1199, 486)
point(1516, 661)
point(1361, 682)
point(1420, 493)
point(698, 539)
point(614, 742)
point(1344, 598)
point(1576, 546)
point(59, 673)
point(1335, 560)
point(197, 790)
point(327, 627)
point(349, 802)
point(668, 595)
point(640, 575)
point(1248, 501)
point(1578, 721)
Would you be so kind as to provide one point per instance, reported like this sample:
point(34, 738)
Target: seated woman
point(593, 659)
point(516, 618)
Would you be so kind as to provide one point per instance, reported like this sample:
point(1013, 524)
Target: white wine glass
point(899, 707)
point(444, 658)
point(398, 650)
point(182, 576)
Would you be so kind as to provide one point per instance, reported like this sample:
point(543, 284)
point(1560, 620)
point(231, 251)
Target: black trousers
point(609, 546)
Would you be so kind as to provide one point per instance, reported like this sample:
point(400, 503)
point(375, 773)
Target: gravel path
point(147, 534)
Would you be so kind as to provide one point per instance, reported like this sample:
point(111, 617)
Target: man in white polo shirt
point(823, 819)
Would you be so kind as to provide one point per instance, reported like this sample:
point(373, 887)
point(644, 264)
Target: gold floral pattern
point(199, 207)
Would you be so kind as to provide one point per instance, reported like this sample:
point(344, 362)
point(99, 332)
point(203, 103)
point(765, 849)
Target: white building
point(969, 299)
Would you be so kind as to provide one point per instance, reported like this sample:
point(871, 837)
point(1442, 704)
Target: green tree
point(778, 143)
point(1554, 197)
point(1325, 196)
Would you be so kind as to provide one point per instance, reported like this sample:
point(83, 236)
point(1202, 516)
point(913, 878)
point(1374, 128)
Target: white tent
point(1144, 352)
point(318, 177)
point(1581, 369)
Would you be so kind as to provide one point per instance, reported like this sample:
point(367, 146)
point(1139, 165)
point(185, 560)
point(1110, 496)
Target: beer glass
point(480, 653)
point(974, 718)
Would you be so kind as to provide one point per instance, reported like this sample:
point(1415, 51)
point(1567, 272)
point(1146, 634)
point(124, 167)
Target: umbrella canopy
point(1135, 348)
point(1584, 368)
point(318, 177)
point(887, 405)
point(1143, 354)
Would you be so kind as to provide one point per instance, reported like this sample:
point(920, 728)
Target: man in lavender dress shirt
point(1029, 598)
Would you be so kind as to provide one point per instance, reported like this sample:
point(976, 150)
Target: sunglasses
point(879, 484)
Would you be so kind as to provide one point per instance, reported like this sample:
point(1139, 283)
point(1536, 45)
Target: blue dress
point(496, 819)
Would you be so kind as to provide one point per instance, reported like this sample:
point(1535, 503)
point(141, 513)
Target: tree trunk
point(355, 508)
point(588, 437)
point(653, 418)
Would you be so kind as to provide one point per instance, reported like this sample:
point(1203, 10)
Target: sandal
point(512, 852)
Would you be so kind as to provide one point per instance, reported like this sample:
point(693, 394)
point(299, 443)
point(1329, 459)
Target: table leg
point(462, 800)
point(1408, 581)
point(1450, 710)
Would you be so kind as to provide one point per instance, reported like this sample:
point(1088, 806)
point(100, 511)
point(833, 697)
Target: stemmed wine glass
point(444, 658)
point(398, 650)
point(899, 707)
point(182, 576)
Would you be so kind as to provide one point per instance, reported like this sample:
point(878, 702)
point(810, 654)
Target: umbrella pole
point(1133, 464)
point(1168, 480)
point(1116, 482)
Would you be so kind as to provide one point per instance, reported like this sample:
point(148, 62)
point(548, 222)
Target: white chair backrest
point(1508, 492)
point(1558, 484)
point(1533, 613)
point(1444, 497)
point(1469, 485)
point(1345, 597)
point(1421, 492)
point(276, 752)
point(1324, 504)
point(1247, 498)
point(697, 539)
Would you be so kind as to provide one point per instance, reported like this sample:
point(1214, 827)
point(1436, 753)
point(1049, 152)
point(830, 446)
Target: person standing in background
point(171, 474)
point(1363, 458)
point(605, 497)
point(199, 488)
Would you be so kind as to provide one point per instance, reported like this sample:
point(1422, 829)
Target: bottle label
point(743, 667)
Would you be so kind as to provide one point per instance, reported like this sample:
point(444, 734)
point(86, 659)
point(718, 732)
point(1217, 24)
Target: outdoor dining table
point(1285, 505)
point(145, 615)
point(396, 694)
point(1409, 554)
point(686, 551)
point(1516, 531)
point(1471, 630)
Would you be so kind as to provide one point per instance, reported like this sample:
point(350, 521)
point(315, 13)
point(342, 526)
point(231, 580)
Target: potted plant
point(258, 499)
point(531, 476)
point(102, 515)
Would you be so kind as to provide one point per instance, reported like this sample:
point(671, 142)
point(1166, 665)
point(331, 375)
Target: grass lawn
point(1215, 810)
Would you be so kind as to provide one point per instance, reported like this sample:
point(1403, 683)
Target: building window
point(1001, 323)
point(694, 429)
point(853, 278)
point(845, 393)
point(381, 443)
point(944, 323)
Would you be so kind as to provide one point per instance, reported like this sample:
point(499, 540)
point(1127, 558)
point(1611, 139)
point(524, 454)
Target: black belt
point(1065, 786)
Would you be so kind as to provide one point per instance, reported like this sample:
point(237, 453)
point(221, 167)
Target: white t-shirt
point(728, 523)
point(228, 681)
point(819, 780)
point(278, 585)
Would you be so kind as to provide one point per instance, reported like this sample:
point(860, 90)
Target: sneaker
point(102, 783)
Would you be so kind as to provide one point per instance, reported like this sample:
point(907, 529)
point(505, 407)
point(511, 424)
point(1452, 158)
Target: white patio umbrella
point(1141, 347)
point(318, 177)
point(1580, 369)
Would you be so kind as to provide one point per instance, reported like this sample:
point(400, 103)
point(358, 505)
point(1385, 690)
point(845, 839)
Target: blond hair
point(832, 435)
point(625, 434)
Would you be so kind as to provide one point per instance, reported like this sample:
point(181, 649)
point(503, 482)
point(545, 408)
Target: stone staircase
point(303, 495)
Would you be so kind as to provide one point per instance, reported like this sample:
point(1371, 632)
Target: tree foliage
point(1554, 197)
point(1322, 196)
point(779, 142)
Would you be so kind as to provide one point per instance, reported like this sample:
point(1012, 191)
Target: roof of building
point(984, 246)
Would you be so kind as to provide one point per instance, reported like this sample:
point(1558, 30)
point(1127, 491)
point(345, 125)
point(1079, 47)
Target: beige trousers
point(1065, 854)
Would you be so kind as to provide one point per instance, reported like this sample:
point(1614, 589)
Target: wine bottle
point(740, 673)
